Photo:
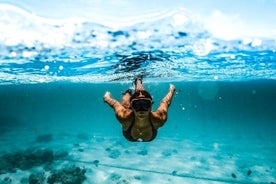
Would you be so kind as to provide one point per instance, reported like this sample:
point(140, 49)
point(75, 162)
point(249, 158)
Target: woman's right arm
point(122, 114)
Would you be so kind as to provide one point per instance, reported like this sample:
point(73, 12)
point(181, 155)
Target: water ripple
point(172, 47)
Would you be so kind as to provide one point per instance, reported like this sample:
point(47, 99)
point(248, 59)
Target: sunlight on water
point(170, 46)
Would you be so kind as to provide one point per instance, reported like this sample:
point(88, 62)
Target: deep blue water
point(54, 73)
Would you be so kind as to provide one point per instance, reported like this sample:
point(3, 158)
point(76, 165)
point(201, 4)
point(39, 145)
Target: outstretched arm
point(112, 102)
point(166, 101)
point(160, 116)
point(121, 111)
point(122, 114)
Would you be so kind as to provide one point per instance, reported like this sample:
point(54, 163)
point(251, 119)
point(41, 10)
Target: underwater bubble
point(46, 67)
point(60, 67)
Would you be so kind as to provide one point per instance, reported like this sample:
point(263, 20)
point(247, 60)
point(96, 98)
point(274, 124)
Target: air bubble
point(46, 67)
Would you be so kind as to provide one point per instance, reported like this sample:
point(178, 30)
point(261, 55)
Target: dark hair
point(137, 94)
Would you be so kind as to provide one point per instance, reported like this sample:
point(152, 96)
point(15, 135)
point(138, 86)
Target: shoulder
point(158, 116)
point(158, 119)
point(124, 113)
point(126, 118)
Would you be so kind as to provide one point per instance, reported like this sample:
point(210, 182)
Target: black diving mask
point(141, 104)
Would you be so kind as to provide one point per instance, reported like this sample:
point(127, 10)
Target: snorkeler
point(139, 123)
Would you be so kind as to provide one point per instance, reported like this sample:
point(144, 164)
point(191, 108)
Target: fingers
point(106, 95)
point(172, 87)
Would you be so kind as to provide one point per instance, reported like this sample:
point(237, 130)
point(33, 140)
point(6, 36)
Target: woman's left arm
point(159, 117)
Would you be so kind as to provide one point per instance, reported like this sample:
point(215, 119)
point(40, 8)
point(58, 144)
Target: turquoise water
point(218, 136)
point(54, 71)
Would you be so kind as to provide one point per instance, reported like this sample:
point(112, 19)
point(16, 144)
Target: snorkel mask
point(141, 104)
point(141, 101)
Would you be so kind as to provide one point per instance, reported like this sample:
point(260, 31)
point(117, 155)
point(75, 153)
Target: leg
point(126, 98)
point(138, 85)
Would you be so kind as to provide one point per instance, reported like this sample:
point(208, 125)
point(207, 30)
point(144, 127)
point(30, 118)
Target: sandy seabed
point(98, 159)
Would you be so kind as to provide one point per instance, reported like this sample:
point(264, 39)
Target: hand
point(172, 88)
point(106, 96)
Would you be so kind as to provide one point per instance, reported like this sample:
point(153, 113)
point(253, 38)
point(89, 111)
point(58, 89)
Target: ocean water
point(55, 69)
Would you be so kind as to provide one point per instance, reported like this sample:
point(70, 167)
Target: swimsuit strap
point(154, 131)
point(127, 133)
